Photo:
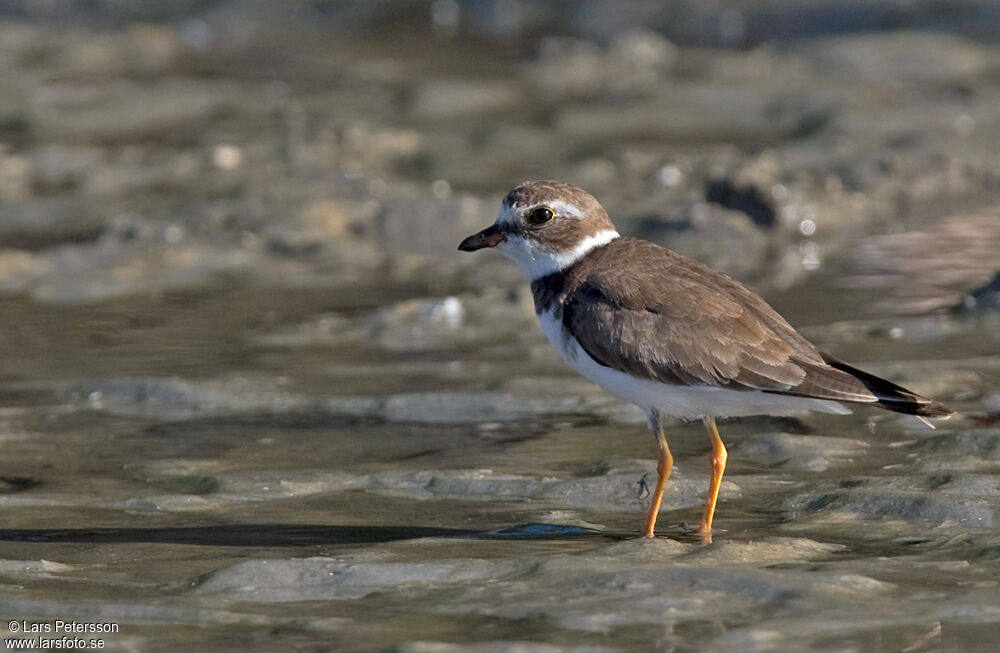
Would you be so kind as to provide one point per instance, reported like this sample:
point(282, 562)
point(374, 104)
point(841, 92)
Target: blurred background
point(235, 324)
point(154, 146)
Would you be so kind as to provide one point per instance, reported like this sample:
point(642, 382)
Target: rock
point(318, 578)
point(166, 398)
point(129, 255)
point(415, 325)
point(471, 407)
point(724, 239)
point(774, 549)
point(164, 503)
point(600, 592)
point(914, 501)
point(176, 399)
point(39, 223)
point(984, 298)
point(745, 199)
point(980, 445)
point(616, 489)
point(806, 452)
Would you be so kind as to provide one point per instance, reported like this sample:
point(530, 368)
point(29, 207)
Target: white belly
point(688, 402)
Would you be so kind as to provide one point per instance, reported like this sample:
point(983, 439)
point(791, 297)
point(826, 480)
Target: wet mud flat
point(433, 503)
point(252, 399)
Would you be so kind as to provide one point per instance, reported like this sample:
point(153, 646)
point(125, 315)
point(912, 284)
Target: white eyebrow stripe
point(509, 214)
point(564, 209)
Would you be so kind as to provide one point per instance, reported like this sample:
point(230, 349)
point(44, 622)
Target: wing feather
point(676, 321)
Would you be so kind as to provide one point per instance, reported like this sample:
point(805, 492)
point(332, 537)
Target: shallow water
point(252, 399)
point(241, 494)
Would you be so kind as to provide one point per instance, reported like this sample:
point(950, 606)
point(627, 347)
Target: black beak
point(489, 237)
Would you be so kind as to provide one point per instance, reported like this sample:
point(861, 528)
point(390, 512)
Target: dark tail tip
point(930, 408)
point(891, 396)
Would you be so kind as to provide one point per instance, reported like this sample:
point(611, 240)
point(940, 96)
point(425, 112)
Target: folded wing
point(689, 325)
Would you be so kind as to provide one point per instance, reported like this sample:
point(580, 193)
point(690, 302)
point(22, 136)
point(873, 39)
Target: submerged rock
point(316, 579)
point(619, 488)
point(179, 399)
point(984, 298)
point(602, 593)
point(808, 452)
point(175, 399)
point(917, 501)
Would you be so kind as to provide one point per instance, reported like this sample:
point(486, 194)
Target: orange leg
point(718, 458)
point(664, 463)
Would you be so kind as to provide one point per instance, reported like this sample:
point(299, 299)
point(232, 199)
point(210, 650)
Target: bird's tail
point(891, 396)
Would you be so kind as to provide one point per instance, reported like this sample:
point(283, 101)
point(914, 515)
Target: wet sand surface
point(251, 398)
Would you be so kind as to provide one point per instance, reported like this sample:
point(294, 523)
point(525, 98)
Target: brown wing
point(676, 321)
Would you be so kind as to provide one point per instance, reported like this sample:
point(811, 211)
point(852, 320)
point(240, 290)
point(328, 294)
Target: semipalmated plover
point(667, 333)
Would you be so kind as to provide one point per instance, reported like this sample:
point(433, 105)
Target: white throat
point(535, 261)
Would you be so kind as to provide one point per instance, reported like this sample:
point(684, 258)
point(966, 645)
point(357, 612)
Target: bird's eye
point(540, 215)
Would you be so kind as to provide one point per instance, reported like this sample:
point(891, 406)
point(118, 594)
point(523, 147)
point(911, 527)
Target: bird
point(668, 333)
